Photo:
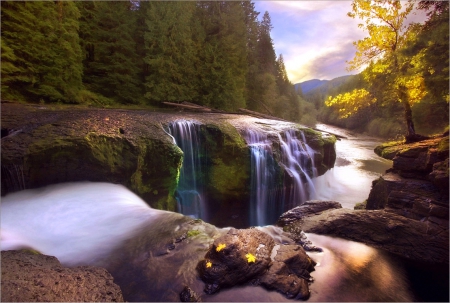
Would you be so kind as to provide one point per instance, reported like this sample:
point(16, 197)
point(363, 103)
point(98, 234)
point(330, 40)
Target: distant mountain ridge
point(306, 86)
point(321, 86)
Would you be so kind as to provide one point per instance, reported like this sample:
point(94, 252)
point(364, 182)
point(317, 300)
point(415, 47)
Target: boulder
point(306, 209)
point(413, 239)
point(235, 258)
point(31, 277)
point(250, 255)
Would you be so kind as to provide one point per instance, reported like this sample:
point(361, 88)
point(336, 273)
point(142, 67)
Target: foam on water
point(76, 222)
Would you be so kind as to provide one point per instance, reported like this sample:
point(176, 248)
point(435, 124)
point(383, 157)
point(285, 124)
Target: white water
point(263, 190)
point(76, 222)
point(190, 200)
point(297, 158)
point(268, 199)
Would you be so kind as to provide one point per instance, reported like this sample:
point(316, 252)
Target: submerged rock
point(188, 295)
point(32, 277)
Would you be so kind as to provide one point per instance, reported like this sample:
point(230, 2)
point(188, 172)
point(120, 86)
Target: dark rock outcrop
point(250, 255)
point(382, 229)
point(308, 208)
point(289, 273)
point(417, 186)
point(229, 260)
point(31, 277)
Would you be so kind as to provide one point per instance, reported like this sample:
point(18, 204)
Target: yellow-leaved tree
point(380, 54)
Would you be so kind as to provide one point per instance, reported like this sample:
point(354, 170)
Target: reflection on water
point(152, 258)
point(350, 181)
point(360, 272)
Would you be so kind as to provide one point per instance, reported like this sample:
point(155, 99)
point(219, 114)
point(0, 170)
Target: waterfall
point(263, 180)
point(189, 195)
point(269, 197)
point(298, 163)
point(13, 178)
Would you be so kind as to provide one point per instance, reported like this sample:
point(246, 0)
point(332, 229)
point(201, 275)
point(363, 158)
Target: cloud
point(315, 37)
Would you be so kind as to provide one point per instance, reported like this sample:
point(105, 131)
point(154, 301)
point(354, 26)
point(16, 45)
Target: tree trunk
point(411, 132)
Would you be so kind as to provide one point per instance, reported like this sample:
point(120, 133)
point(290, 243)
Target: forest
point(220, 54)
point(404, 87)
point(213, 53)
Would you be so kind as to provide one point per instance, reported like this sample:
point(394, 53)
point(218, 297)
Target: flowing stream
point(152, 254)
point(357, 165)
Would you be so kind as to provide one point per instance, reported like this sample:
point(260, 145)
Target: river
point(350, 181)
point(104, 224)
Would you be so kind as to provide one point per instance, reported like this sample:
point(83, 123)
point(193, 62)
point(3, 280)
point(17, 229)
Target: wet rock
point(416, 240)
point(229, 260)
point(289, 273)
point(418, 184)
point(31, 277)
point(188, 295)
point(284, 268)
point(306, 209)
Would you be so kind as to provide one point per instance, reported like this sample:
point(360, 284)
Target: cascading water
point(297, 159)
point(13, 178)
point(190, 200)
point(269, 197)
point(263, 181)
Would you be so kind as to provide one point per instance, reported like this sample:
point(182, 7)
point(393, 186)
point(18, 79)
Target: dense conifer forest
point(220, 54)
point(212, 53)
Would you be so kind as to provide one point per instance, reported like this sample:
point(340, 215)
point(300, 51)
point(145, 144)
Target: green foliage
point(30, 68)
point(405, 76)
point(170, 53)
point(110, 67)
point(104, 53)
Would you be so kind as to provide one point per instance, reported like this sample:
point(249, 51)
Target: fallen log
point(259, 115)
point(192, 107)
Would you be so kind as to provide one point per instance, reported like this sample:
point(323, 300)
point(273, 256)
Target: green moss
point(443, 145)
point(361, 205)
point(192, 233)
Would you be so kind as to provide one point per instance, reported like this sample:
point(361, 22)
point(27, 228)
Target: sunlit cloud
point(315, 37)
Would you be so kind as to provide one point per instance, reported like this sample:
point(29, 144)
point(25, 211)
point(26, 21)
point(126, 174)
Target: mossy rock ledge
point(43, 145)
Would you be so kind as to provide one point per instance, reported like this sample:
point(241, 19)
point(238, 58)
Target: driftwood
point(339, 137)
point(190, 106)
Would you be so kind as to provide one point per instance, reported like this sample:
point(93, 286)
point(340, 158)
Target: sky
point(315, 37)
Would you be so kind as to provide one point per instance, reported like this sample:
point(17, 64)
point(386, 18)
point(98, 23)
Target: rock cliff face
point(417, 186)
point(30, 277)
point(46, 145)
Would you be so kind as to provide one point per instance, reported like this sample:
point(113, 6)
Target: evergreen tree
point(223, 54)
point(110, 63)
point(31, 70)
point(169, 51)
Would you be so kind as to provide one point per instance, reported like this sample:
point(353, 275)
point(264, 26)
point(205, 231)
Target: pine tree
point(223, 54)
point(110, 62)
point(31, 70)
point(169, 52)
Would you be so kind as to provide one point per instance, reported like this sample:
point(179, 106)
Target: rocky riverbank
point(31, 277)
point(407, 210)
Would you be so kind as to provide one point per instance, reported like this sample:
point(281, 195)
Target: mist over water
point(76, 222)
